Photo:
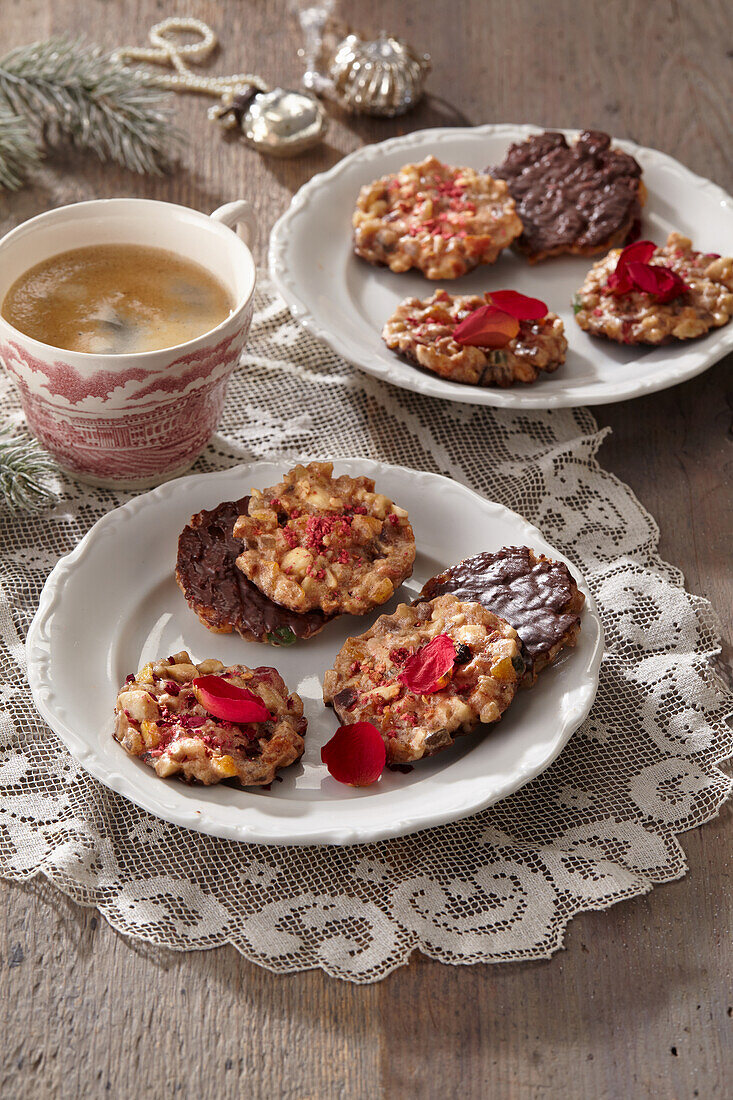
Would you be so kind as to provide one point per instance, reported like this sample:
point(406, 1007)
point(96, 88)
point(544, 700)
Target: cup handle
point(238, 216)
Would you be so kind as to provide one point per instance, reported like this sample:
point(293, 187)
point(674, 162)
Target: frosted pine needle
point(23, 466)
point(68, 88)
point(18, 151)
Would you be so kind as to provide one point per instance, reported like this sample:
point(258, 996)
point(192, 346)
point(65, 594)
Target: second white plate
point(113, 604)
point(344, 301)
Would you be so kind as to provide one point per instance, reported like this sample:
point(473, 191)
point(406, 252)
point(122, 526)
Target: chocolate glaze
point(211, 582)
point(580, 195)
point(532, 596)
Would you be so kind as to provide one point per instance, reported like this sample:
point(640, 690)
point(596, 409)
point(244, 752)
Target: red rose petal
point(424, 671)
point(655, 279)
point(641, 252)
point(518, 305)
point(227, 701)
point(355, 754)
point(676, 288)
point(486, 327)
point(619, 282)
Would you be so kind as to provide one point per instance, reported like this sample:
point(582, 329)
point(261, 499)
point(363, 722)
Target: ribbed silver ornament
point(383, 76)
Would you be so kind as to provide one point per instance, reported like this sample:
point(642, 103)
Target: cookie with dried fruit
point(318, 542)
point(426, 674)
point(496, 339)
point(649, 294)
point(444, 221)
point(207, 723)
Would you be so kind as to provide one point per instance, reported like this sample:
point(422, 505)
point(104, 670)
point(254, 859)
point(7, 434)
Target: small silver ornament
point(273, 120)
point(383, 77)
point(276, 121)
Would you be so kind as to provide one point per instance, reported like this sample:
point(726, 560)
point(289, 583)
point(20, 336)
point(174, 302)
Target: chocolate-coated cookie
point(581, 198)
point(537, 596)
point(220, 594)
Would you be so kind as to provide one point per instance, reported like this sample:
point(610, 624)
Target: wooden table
point(638, 1005)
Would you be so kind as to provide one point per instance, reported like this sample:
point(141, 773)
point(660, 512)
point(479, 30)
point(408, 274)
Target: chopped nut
point(490, 713)
point(139, 705)
point(381, 505)
point(297, 561)
point(181, 673)
point(165, 766)
point(210, 667)
point(387, 691)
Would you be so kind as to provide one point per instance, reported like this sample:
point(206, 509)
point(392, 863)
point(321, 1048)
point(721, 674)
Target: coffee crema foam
point(116, 299)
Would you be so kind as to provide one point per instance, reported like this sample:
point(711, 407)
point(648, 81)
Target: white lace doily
point(598, 826)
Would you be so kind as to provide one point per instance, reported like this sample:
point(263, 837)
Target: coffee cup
point(130, 420)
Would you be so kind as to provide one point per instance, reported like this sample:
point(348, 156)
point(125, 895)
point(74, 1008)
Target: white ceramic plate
point(345, 302)
point(113, 604)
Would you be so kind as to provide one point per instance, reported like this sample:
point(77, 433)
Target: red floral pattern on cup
point(65, 381)
point(133, 446)
point(128, 425)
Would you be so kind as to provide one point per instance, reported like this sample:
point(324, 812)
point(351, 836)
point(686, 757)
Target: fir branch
point(18, 152)
point(66, 87)
point(23, 465)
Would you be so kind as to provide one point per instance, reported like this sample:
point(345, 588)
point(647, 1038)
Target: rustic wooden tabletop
point(639, 1003)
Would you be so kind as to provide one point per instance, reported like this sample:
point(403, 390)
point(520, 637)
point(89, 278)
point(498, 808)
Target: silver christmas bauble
point(381, 77)
point(279, 122)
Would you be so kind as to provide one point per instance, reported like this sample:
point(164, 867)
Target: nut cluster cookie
point(581, 198)
point(537, 596)
point(315, 541)
point(220, 594)
point(638, 317)
point(365, 683)
point(443, 221)
point(161, 721)
point(422, 330)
